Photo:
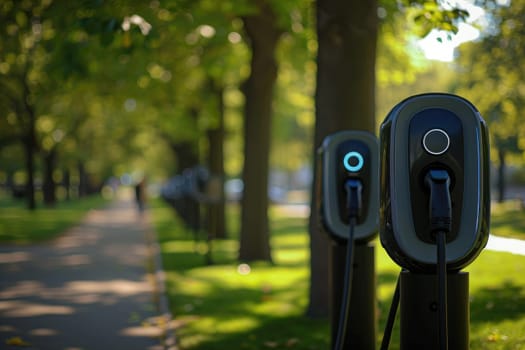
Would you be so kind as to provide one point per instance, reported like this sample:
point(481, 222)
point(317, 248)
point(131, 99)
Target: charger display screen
point(354, 162)
point(436, 142)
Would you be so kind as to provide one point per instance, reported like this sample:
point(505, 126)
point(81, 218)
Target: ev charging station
point(434, 213)
point(348, 204)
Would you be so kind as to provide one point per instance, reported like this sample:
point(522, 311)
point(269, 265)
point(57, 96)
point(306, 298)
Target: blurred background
point(218, 107)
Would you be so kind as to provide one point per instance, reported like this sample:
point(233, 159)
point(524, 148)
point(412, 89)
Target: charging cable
point(438, 181)
point(385, 342)
point(353, 188)
point(440, 207)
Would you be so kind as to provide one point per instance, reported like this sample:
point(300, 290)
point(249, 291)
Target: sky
point(444, 50)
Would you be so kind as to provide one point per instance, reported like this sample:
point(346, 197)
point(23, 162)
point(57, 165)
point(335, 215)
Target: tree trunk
point(186, 154)
point(501, 175)
point(29, 149)
point(345, 99)
point(263, 35)
point(49, 186)
point(216, 210)
point(187, 158)
point(67, 183)
point(9, 181)
point(82, 180)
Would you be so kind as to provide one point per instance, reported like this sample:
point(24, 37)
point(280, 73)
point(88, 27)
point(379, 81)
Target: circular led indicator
point(436, 141)
point(353, 161)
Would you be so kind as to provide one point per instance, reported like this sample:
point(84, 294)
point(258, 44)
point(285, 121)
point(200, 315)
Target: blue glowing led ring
point(353, 168)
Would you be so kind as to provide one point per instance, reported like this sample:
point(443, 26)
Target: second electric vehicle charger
point(348, 203)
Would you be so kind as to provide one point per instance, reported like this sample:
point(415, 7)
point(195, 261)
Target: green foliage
point(403, 23)
point(103, 87)
point(436, 14)
point(396, 56)
point(293, 118)
point(51, 65)
point(492, 75)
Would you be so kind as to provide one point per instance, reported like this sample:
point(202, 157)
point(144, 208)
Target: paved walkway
point(88, 290)
point(509, 245)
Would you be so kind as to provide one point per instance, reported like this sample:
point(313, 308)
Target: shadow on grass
point(273, 333)
point(508, 221)
point(495, 304)
point(229, 316)
point(288, 226)
point(182, 261)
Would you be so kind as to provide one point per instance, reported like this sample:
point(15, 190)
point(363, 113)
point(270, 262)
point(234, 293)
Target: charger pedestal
point(419, 311)
point(361, 325)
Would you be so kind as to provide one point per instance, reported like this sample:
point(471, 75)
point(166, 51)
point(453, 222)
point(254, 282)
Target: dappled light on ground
point(87, 289)
point(29, 309)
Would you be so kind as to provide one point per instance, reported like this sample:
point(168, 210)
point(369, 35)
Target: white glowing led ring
point(441, 150)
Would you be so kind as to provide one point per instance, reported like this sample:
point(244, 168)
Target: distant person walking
point(140, 195)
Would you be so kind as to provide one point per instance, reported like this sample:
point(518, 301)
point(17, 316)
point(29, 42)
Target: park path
point(90, 289)
point(503, 244)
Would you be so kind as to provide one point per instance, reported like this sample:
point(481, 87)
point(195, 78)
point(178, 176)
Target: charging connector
point(440, 204)
point(354, 198)
point(438, 182)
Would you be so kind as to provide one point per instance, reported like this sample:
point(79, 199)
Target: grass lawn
point(19, 225)
point(261, 306)
point(508, 219)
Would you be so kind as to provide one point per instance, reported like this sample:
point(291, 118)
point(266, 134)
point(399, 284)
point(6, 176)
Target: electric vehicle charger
point(434, 151)
point(348, 154)
point(433, 131)
point(348, 203)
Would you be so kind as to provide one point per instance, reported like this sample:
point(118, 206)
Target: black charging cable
point(442, 290)
point(438, 181)
point(389, 326)
point(353, 188)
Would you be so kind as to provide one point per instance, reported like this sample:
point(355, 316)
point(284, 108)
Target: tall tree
point(263, 34)
point(22, 57)
point(216, 215)
point(41, 51)
point(347, 33)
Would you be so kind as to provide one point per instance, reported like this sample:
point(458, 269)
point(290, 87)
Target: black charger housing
point(349, 154)
point(433, 131)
